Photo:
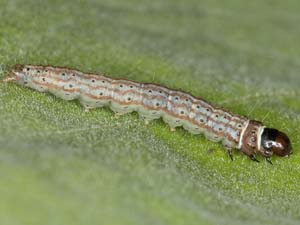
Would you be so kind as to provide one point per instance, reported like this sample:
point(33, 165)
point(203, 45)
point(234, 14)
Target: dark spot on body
point(93, 81)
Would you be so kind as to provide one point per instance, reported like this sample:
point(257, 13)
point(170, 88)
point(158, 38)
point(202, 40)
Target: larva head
point(274, 141)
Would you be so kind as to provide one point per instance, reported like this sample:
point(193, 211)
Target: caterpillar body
point(152, 101)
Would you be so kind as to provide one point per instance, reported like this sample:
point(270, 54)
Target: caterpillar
point(153, 101)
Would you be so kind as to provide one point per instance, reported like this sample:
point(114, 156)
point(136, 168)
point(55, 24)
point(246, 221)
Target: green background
point(61, 165)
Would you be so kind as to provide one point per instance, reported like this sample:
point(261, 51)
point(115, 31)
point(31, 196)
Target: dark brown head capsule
point(274, 141)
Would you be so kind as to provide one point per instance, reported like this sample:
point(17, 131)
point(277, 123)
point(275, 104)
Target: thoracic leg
point(253, 158)
point(269, 160)
point(229, 151)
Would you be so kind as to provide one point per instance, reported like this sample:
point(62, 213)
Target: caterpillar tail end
point(12, 74)
point(11, 77)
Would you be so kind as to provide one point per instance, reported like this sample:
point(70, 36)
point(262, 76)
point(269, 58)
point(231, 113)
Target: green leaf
point(61, 165)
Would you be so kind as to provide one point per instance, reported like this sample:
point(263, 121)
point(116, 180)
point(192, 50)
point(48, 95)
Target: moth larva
point(153, 101)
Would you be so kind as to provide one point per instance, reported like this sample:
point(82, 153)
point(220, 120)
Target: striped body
point(153, 101)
